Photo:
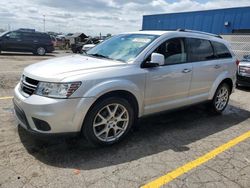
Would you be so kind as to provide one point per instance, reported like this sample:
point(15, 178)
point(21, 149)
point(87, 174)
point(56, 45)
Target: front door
point(13, 41)
point(167, 86)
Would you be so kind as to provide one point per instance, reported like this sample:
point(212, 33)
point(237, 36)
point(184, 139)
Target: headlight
point(244, 69)
point(57, 90)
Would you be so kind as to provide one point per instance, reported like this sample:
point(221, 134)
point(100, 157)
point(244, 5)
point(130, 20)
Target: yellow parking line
point(4, 98)
point(195, 163)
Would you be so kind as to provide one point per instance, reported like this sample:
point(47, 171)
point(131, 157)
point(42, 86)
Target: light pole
point(44, 23)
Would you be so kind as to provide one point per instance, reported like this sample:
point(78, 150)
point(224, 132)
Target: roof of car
point(183, 31)
point(152, 32)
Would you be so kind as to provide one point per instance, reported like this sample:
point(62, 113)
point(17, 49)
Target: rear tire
point(40, 51)
point(220, 99)
point(108, 121)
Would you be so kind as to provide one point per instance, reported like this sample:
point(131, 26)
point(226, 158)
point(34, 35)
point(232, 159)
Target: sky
point(94, 16)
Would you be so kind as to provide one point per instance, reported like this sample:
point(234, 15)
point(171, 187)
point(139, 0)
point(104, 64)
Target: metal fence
point(240, 44)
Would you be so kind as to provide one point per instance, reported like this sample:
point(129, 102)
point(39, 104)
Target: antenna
point(44, 23)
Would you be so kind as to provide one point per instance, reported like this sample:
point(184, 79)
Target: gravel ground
point(161, 144)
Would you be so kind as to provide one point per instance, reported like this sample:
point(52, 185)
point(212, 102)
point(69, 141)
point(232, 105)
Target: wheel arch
point(229, 82)
point(130, 97)
point(218, 82)
point(118, 86)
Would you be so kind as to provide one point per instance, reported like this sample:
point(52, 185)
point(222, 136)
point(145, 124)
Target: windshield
point(246, 58)
point(124, 47)
point(2, 34)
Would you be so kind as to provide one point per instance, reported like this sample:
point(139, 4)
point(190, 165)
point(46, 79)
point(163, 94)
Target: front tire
point(108, 121)
point(221, 98)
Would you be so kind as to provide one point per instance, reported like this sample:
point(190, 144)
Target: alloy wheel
point(221, 98)
point(40, 51)
point(111, 122)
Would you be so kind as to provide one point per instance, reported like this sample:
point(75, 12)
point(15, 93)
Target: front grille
point(28, 85)
point(243, 78)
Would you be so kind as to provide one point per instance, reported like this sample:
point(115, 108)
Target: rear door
point(28, 41)
point(206, 68)
point(167, 86)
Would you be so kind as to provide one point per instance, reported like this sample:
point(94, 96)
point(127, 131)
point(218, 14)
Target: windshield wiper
point(99, 55)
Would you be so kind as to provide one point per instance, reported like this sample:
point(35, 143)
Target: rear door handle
point(186, 70)
point(217, 66)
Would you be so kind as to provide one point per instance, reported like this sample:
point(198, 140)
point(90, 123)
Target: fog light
point(41, 125)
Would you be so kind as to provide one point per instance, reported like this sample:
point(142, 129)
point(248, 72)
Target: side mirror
point(157, 58)
point(7, 36)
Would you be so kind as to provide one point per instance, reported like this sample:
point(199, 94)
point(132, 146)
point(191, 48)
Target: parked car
point(243, 73)
point(54, 41)
point(25, 40)
point(102, 93)
point(87, 47)
point(77, 40)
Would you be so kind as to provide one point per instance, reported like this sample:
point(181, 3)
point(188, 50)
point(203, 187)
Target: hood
point(58, 68)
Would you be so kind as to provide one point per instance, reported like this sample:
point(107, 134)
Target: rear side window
point(199, 50)
point(45, 36)
point(220, 50)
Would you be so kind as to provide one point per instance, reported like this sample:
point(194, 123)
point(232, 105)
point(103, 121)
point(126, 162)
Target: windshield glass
point(246, 58)
point(123, 47)
point(2, 34)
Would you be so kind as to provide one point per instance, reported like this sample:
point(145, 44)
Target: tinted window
point(14, 35)
point(36, 36)
point(45, 36)
point(221, 50)
point(173, 50)
point(26, 36)
point(199, 50)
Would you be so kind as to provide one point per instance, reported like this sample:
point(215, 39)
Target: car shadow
point(243, 88)
point(158, 133)
point(24, 54)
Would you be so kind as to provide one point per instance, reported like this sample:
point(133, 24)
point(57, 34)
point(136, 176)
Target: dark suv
point(25, 40)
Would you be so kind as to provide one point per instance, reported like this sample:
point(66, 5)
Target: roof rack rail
point(199, 32)
point(26, 30)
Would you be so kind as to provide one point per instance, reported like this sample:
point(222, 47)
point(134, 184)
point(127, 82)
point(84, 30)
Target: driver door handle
point(186, 70)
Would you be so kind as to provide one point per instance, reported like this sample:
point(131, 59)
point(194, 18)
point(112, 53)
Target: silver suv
point(102, 93)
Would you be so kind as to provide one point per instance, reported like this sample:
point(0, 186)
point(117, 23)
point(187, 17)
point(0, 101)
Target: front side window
point(125, 47)
point(221, 50)
point(14, 35)
point(199, 50)
point(173, 51)
point(4, 33)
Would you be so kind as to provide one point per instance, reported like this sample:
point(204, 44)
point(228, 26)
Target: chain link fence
point(240, 44)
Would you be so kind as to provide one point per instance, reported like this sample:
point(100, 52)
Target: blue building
point(219, 21)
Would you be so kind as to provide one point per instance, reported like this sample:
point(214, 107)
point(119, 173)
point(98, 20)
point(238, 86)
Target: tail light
point(237, 62)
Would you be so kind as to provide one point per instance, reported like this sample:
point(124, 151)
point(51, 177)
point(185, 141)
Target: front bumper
point(243, 80)
point(62, 115)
